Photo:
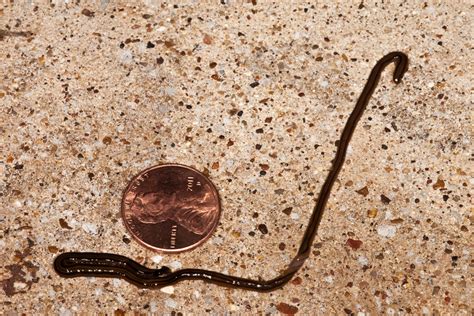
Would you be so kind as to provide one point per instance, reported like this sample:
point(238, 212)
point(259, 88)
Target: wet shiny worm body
point(73, 264)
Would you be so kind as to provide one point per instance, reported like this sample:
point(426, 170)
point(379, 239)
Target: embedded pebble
point(63, 311)
point(233, 308)
point(354, 243)
point(287, 309)
point(90, 228)
point(363, 191)
point(19, 286)
point(170, 91)
point(167, 289)
point(175, 265)
point(294, 216)
point(386, 231)
point(157, 258)
point(153, 306)
point(328, 279)
point(363, 261)
point(324, 83)
point(116, 282)
point(170, 303)
point(372, 213)
point(120, 299)
point(126, 57)
point(217, 240)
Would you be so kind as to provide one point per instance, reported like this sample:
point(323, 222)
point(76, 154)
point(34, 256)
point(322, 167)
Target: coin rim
point(165, 250)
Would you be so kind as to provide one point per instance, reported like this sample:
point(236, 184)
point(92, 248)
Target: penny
point(170, 208)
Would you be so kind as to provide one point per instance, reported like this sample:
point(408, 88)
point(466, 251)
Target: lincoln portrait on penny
point(195, 212)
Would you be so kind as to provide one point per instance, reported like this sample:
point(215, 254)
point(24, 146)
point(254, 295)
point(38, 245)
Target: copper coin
point(170, 208)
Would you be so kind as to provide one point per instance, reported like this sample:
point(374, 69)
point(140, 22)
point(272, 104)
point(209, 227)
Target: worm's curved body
point(73, 264)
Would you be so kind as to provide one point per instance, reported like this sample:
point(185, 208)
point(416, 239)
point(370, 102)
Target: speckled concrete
point(255, 95)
